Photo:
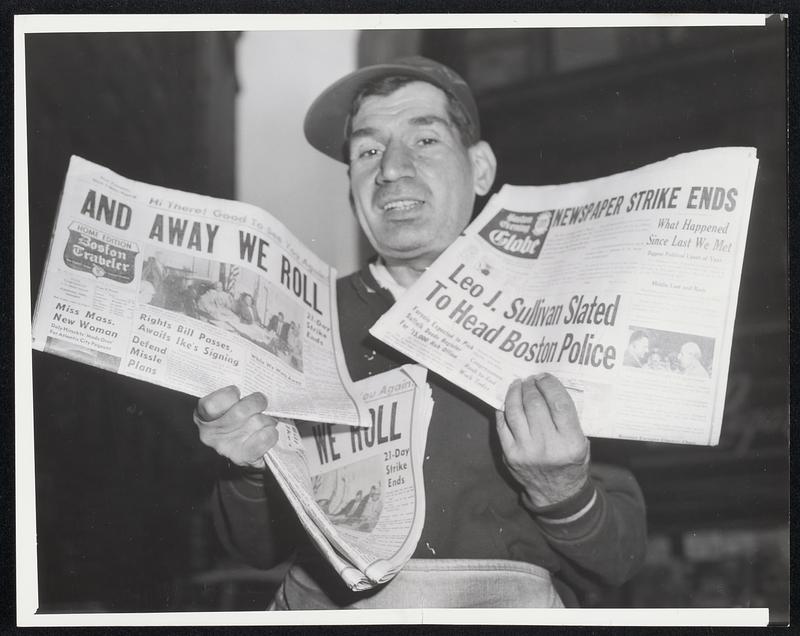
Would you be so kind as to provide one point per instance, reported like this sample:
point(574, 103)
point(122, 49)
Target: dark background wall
point(121, 478)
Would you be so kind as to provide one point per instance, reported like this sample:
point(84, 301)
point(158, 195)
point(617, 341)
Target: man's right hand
point(236, 428)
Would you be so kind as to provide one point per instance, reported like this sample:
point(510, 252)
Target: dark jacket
point(473, 506)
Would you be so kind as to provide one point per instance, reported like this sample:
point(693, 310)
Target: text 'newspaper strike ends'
point(624, 287)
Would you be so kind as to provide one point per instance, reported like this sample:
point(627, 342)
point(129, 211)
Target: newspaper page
point(359, 493)
point(624, 288)
point(191, 293)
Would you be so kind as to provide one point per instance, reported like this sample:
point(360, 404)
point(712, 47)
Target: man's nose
point(397, 162)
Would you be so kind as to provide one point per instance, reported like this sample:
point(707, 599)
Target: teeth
point(404, 204)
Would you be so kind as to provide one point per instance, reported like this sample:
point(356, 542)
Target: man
point(216, 303)
point(368, 511)
point(279, 325)
point(656, 361)
point(246, 310)
point(515, 515)
point(153, 271)
point(689, 360)
point(275, 322)
point(638, 348)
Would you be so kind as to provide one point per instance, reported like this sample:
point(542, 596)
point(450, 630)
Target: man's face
point(413, 183)
point(640, 347)
point(686, 357)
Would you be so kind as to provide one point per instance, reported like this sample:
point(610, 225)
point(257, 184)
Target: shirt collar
point(382, 276)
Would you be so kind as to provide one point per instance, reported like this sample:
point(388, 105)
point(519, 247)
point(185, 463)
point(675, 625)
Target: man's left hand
point(543, 444)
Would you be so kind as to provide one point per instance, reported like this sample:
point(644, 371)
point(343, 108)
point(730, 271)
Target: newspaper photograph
point(359, 492)
point(191, 293)
point(624, 287)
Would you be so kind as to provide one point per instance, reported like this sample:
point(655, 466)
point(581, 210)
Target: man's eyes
point(368, 151)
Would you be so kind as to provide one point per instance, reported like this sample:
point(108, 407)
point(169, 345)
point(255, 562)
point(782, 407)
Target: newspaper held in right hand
point(624, 288)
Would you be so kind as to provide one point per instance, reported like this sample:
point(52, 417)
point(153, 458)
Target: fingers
point(539, 405)
point(244, 443)
point(527, 416)
point(560, 404)
point(256, 436)
point(215, 404)
point(514, 411)
point(236, 428)
point(248, 406)
point(259, 442)
point(224, 409)
point(503, 431)
point(535, 406)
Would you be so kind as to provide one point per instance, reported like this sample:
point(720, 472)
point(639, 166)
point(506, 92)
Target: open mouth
point(401, 205)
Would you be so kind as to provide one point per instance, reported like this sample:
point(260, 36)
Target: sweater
point(474, 508)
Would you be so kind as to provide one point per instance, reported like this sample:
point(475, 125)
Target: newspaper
point(359, 493)
point(192, 293)
point(623, 287)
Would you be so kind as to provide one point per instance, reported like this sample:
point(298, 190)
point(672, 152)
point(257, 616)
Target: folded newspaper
point(194, 293)
point(623, 287)
point(358, 492)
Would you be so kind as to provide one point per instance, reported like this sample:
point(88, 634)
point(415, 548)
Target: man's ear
point(484, 166)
